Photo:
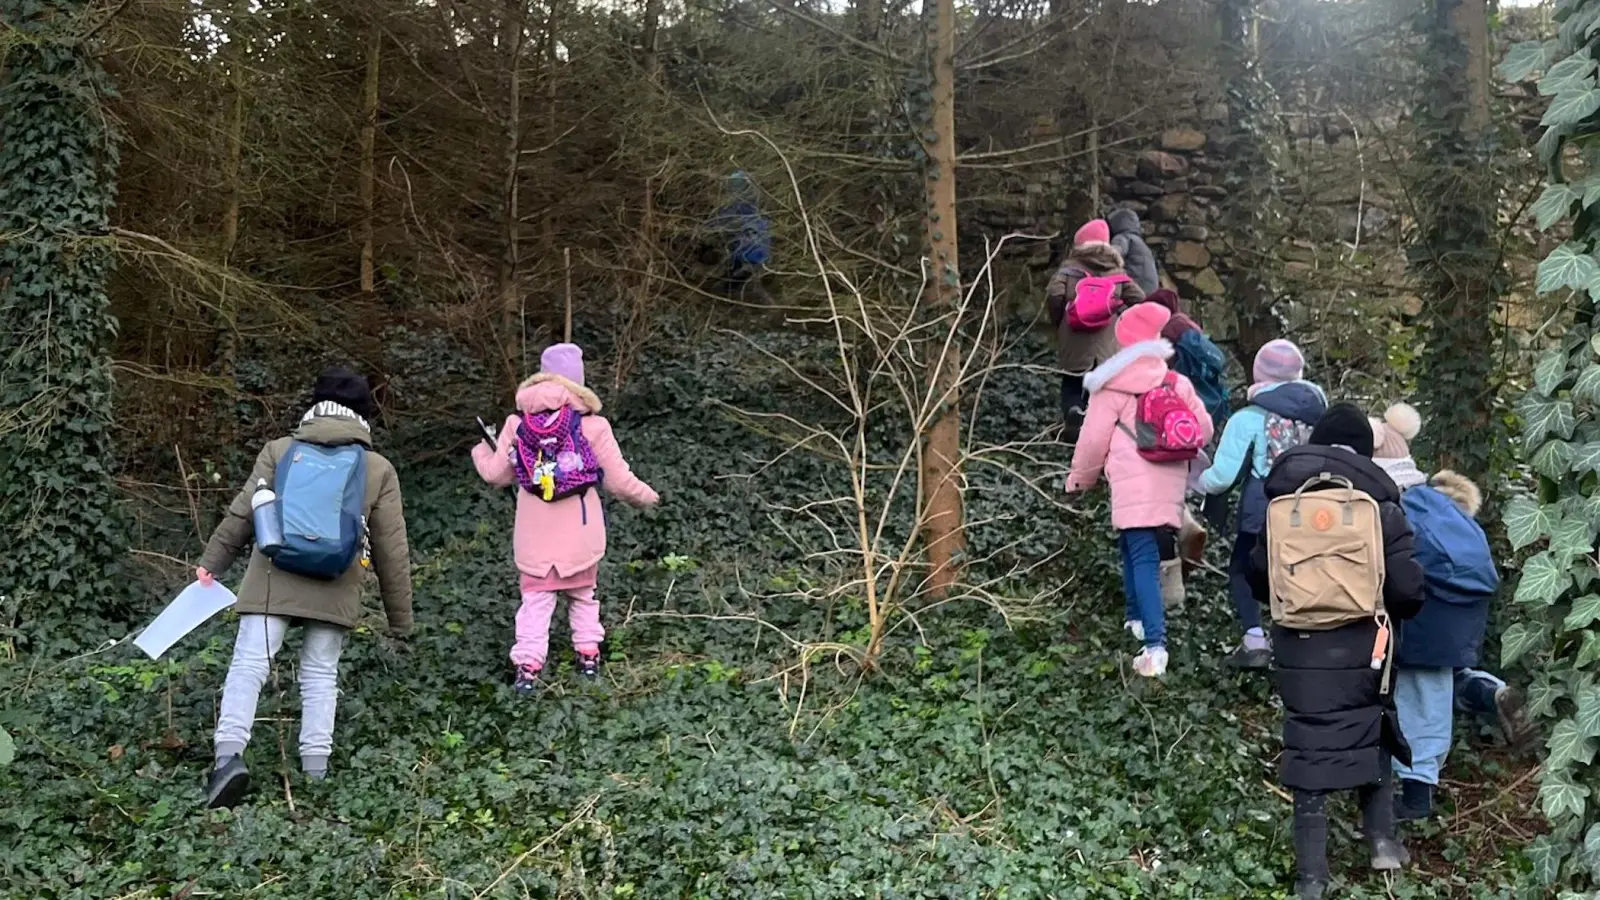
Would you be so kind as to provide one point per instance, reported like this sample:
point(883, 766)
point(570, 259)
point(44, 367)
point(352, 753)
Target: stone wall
point(1172, 181)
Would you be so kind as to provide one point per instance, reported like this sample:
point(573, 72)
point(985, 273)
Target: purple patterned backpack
point(552, 458)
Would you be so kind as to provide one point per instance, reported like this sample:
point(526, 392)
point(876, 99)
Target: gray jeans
point(260, 639)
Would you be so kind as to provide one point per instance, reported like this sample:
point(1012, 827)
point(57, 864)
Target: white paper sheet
point(188, 611)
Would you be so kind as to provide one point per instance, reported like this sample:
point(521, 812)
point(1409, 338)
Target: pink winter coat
point(568, 535)
point(1143, 494)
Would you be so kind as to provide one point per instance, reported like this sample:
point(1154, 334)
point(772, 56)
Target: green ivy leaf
point(1526, 521)
point(1524, 59)
point(1568, 745)
point(1587, 718)
point(1553, 460)
point(1560, 796)
point(1543, 692)
point(1549, 371)
point(1553, 205)
point(1575, 73)
point(8, 749)
point(1519, 640)
point(1585, 609)
point(1567, 266)
point(1571, 538)
point(1542, 417)
point(1572, 106)
point(1546, 854)
point(1549, 144)
point(1588, 385)
point(1588, 653)
point(1590, 854)
point(1586, 458)
point(1544, 579)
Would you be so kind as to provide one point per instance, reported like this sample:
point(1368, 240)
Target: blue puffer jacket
point(1461, 577)
point(1242, 452)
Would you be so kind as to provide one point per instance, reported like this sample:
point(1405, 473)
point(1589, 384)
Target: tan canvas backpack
point(1325, 562)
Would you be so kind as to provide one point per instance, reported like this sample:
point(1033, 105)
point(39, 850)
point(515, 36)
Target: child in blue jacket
point(1283, 409)
point(1439, 648)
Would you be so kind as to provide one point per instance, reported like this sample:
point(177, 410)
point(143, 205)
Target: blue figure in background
point(746, 238)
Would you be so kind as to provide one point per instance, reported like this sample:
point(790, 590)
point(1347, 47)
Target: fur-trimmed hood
point(1459, 488)
point(546, 391)
point(1095, 258)
point(1134, 369)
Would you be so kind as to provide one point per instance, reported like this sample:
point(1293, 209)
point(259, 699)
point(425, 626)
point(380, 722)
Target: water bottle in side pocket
point(268, 519)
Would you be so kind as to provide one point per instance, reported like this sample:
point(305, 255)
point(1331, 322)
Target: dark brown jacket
point(268, 590)
point(1077, 351)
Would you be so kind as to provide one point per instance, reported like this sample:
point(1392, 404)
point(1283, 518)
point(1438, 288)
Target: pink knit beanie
point(1096, 232)
point(1141, 322)
point(1278, 361)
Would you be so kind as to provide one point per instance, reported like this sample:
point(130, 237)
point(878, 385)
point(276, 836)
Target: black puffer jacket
point(1338, 728)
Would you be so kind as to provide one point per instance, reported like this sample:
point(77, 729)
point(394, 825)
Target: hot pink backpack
point(1095, 303)
point(1165, 428)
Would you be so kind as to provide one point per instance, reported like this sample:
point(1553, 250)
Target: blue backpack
point(321, 496)
point(1201, 361)
point(1451, 548)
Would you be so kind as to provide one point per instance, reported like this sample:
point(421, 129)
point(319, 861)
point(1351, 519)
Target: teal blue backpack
point(321, 497)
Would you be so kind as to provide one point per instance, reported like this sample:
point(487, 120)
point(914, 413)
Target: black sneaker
point(589, 665)
point(1252, 659)
point(1513, 714)
point(1414, 802)
point(227, 784)
point(527, 680)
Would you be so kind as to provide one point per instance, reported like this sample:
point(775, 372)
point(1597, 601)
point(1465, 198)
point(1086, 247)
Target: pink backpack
point(1095, 303)
point(1165, 428)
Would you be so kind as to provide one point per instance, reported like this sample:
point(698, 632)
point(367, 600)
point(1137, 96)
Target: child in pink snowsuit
point(559, 543)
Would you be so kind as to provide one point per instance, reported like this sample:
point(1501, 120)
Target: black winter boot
point(1377, 820)
point(1415, 802)
point(1310, 845)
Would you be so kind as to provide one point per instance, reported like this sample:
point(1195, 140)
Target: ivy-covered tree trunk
point(1251, 177)
point(941, 468)
point(1455, 256)
point(58, 165)
point(1557, 623)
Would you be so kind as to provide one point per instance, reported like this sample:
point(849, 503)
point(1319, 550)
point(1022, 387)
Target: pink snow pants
point(533, 625)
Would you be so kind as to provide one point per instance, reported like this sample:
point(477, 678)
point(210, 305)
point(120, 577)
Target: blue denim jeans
point(1425, 702)
point(1141, 582)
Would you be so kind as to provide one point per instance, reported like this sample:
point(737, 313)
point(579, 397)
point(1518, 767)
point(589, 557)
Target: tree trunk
point(652, 29)
point(369, 137)
point(1458, 260)
point(941, 470)
point(513, 338)
point(1252, 123)
point(869, 19)
point(225, 347)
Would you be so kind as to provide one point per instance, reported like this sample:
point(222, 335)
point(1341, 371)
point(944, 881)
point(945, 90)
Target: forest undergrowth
point(714, 759)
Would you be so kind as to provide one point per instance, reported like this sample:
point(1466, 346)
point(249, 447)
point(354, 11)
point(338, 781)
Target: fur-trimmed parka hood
point(1096, 258)
point(1460, 489)
point(546, 391)
point(1134, 369)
